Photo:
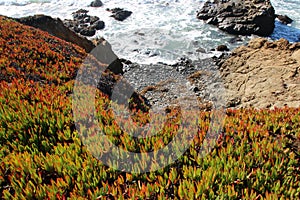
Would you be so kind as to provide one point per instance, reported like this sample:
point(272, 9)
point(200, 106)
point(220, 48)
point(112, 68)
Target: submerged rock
point(240, 17)
point(284, 19)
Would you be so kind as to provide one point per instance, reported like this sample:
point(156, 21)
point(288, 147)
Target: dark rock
point(213, 21)
point(56, 28)
point(69, 23)
point(184, 65)
point(98, 25)
point(96, 3)
point(284, 19)
point(116, 67)
point(235, 40)
point(81, 11)
point(233, 102)
point(201, 50)
point(76, 29)
point(196, 89)
point(87, 19)
point(222, 48)
point(84, 24)
point(115, 10)
point(80, 14)
point(120, 14)
point(88, 31)
point(125, 61)
point(104, 53)
point(94, 19)
point(242, 18)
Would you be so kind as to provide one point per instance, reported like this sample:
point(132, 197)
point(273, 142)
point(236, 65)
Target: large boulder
point(263, 74)
point(240, 17)
point(57, 28)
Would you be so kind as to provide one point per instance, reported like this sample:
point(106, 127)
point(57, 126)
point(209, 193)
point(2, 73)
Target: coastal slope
point(42, 155)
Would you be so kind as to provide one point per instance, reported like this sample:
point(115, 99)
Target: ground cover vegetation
point(42, 156)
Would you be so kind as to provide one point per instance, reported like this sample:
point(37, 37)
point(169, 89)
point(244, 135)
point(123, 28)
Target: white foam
point(157, 30)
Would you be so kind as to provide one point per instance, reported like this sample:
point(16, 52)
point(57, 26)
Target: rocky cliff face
point(240, 17)
point(263, 74)
point(102, 49)
point(57, 28)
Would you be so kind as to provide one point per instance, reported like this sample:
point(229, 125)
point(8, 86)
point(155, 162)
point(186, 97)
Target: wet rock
point(240, 17)
point(94, 19)
point(284, 19)
point(201, 50)
point(120, 14)
point(235, 40)
point(222, 48)
point(80, 14)
point(125, 61)
point(87, 31)
point(98, 25)
point(84, 24)
point(96, 3)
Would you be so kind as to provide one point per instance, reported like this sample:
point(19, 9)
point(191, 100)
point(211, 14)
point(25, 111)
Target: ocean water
point(158, 30)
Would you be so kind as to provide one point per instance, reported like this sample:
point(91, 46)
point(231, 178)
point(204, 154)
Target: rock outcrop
point(57, 28)
point(84, 24)
point(240, 17)
point(119, 13)
point(104, 53)
point(263, 74)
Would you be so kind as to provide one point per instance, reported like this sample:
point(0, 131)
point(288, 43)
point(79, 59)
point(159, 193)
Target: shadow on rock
point(290, 33)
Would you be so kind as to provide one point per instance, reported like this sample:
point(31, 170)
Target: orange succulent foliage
point(35, 55)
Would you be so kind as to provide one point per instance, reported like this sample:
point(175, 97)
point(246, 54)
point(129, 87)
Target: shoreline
point(183, 69)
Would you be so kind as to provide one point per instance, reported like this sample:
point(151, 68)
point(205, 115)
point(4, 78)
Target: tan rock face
point(263, 74)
